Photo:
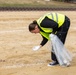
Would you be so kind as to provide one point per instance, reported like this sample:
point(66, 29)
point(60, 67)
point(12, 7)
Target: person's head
point(33, 27)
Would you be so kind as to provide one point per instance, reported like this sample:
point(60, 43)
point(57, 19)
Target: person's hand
point(52, 35)
point(35, 48)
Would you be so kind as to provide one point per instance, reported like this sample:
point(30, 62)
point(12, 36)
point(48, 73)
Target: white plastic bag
point(63, 55)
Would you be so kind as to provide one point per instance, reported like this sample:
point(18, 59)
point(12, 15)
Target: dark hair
point(32, 25)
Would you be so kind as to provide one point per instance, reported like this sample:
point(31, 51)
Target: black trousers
point(62, 33)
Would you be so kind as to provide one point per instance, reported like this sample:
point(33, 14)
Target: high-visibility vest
point(58, 18)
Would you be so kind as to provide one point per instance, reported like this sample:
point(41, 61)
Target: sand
point(16, 43)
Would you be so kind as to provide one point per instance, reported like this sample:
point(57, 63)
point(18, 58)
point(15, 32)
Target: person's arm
point(48, 23)
point(44, 41)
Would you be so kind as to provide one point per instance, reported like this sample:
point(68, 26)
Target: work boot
point(53, 63)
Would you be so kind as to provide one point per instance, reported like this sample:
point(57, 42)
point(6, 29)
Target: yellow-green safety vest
point(58, 18)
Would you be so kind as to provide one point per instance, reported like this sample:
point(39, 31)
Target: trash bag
point(64, 57)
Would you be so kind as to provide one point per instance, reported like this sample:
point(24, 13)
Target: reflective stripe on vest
point(58, 18)
point(54, 16)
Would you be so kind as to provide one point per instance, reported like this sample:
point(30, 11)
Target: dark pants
point(62, 33)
